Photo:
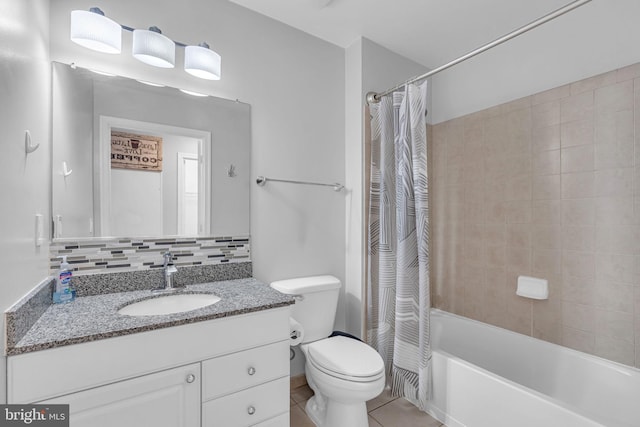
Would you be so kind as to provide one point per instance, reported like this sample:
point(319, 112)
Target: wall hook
point(29, 146)
point(65, 171)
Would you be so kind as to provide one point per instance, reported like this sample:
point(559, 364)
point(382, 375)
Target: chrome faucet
point(169, 270)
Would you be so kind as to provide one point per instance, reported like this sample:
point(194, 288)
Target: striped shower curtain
point(398, 242)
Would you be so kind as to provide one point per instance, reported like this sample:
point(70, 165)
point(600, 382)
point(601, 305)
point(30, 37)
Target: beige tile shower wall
point(548, 186)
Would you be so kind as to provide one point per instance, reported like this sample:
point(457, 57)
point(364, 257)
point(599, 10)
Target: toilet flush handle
point(298, 297)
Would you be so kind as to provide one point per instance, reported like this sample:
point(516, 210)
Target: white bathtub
point(484, 376)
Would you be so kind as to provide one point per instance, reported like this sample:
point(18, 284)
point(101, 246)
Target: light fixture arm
point(131, 30)
point(96, 10)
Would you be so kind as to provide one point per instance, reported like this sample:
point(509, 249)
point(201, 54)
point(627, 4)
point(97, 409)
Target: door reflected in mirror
point(153, 179)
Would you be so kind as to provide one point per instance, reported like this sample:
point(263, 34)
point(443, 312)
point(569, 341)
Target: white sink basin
point(169, 304)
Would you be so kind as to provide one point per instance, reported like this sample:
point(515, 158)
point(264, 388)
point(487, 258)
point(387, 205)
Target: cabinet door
point(168, 398)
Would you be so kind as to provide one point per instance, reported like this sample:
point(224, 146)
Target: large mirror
point(134, 160)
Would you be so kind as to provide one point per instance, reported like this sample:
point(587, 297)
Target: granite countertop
point(96, 317)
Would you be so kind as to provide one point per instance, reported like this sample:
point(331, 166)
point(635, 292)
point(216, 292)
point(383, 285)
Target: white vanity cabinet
point(230, 372)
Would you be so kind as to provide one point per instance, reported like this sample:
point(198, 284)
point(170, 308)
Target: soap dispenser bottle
point(63, 291)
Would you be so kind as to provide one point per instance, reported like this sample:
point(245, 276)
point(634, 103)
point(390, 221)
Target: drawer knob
point(251, 410)
point(191, 378)
point(251, 370)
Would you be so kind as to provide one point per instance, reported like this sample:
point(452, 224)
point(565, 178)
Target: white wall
point(353, 183)
point(24, 91)
point(605, 38)
point(369, 67)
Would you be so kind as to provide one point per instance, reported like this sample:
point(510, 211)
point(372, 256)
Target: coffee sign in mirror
point(134, 160)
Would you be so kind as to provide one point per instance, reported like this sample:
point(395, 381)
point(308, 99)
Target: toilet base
point(328, 413)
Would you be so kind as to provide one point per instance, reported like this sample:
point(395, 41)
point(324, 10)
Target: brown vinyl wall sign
point(131, 151)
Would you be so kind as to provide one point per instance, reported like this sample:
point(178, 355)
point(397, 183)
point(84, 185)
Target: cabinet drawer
point(248, 407)
point(238, 371)
point(279, 421)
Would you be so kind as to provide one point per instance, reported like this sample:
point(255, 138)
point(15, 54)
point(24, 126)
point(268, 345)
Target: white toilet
point(343, 372)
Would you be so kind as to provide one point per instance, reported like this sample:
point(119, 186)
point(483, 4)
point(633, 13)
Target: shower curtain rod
point(373, 97)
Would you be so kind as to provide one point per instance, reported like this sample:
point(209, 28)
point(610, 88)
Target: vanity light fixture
point(93, 30)
point(153, 48)
point(202, 62)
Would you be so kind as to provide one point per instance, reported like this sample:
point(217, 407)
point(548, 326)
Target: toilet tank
point(315, 308)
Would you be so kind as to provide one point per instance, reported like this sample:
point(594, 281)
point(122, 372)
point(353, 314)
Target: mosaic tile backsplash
point(131, 254)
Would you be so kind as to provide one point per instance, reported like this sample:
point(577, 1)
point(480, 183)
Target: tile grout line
point(383, 405)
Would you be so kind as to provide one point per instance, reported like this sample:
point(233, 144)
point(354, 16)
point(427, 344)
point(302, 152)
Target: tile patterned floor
point(384, 411)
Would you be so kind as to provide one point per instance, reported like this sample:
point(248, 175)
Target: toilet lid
point(346, 358)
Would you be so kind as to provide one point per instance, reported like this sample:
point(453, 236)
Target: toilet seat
point(346, 358)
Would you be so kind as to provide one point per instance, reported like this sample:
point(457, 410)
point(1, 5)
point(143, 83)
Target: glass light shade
point(202, 62)
point(95, 31)
point(153, 48)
